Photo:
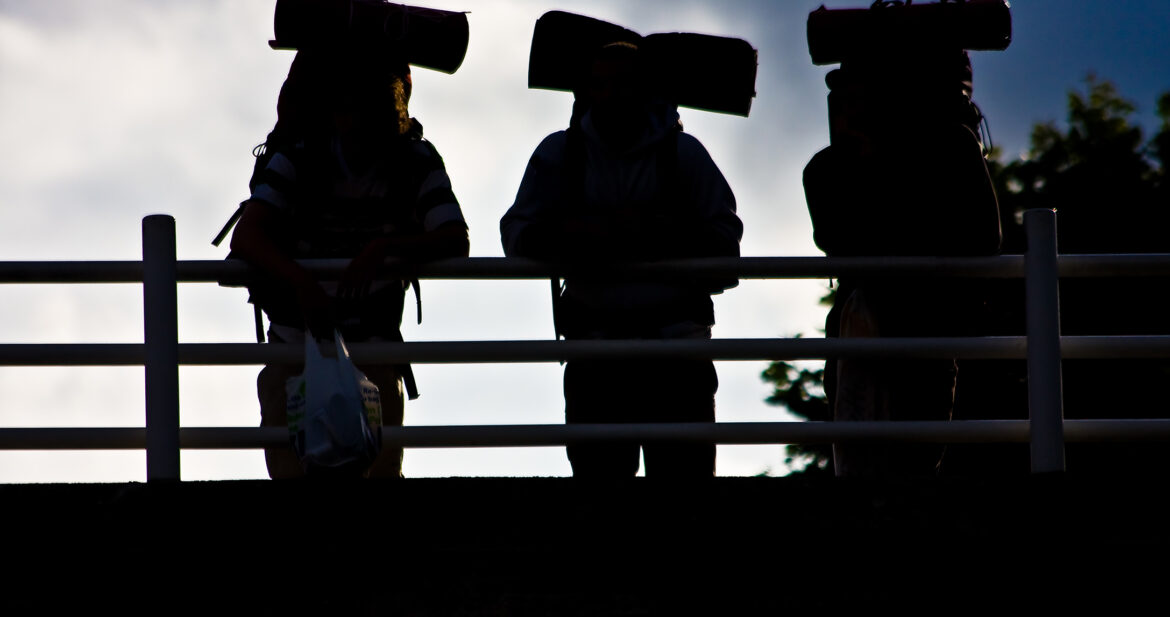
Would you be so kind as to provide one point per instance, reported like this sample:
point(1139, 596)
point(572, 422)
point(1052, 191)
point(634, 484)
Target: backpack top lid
point(563, 45)
point(429, 38)
point(889, 26)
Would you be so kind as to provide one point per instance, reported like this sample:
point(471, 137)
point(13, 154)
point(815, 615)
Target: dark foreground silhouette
point(561, 546)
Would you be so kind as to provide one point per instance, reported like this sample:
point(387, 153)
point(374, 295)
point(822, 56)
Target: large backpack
point(417, 36)
point(299, 102)
point(562, 46)
point(299, 105)
point(905, 172)
point(290, 114)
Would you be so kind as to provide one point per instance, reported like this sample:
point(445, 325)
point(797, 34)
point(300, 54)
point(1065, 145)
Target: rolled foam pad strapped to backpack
point(429, 38)
point(563, 45)
point(836, 34)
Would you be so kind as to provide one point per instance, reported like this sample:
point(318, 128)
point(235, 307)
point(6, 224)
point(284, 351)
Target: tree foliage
point(1106, 181)
point(800, 391)
point(1109, 186)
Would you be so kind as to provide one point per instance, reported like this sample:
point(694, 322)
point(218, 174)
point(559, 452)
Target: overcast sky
point(113, 110)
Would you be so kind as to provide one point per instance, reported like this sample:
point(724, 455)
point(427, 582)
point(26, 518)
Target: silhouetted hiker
point(905, 174)
point(625, 184)
point(348, 175)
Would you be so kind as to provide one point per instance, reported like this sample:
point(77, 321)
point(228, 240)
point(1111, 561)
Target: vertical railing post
point(161, 339)
point(1042, 302)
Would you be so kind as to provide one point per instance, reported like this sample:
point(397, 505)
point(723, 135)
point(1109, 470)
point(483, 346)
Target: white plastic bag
point(334, 412)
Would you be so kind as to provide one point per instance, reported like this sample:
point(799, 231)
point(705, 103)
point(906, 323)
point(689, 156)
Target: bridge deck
point(557, 546)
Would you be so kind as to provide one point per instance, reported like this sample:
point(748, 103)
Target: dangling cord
point(558, 289)
point(259, 323)
point(417, 298)
point(235, 218)
point(257, 152)
point(984, 130)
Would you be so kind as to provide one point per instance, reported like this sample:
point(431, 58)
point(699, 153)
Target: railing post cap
point(156, 219)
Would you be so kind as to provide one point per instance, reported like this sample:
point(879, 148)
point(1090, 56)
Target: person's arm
point(709, 225)
point(444, 229)
point(448, 240)
point(704, 224)
point(525, 228)
point(254, 241)
point(541, 224)
point(443, 234)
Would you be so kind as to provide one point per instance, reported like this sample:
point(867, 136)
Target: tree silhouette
point(1108, 185)
point(801, 392)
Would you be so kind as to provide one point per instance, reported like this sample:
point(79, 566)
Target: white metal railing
point(161, 353)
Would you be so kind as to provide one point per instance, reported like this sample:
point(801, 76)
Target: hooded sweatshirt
point(579, 180)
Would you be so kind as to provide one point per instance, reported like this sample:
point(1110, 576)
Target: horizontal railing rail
point(161, 353)
point(551, 435)
point(526, 351)
point(231, 272)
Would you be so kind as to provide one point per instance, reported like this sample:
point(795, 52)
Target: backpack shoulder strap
point(573, 168)
point(263, 153)
point(573, 190)
point(669, 178)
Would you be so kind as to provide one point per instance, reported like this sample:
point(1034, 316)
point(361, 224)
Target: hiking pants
point(888, 389)
point(626, 391)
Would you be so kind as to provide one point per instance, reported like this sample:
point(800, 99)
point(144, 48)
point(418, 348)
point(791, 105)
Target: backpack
point(298, 104)
point(905, 172)
point(262, 153)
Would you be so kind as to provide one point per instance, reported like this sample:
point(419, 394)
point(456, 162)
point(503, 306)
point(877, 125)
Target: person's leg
point(919, 390)
point(389, 461)
point(282, 461)
point(891, 389)
point(594, 393)
point(923, 389)
point(679, 391)
point(860, 389)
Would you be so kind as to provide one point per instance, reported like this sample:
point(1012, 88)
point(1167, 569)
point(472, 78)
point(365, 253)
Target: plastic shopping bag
point(334, 413)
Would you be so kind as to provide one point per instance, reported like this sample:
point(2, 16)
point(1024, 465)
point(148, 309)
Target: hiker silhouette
point(347, 174)
point(904, 174)
point(623, 184)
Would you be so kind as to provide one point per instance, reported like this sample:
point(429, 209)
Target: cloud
point(114, 110)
